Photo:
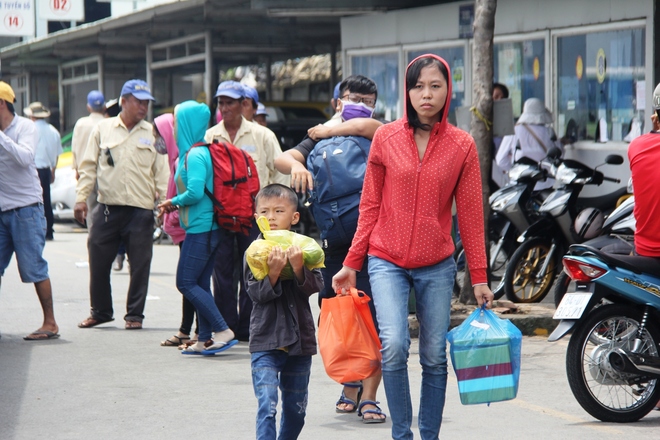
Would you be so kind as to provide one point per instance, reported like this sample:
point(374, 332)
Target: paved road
point(109, 383)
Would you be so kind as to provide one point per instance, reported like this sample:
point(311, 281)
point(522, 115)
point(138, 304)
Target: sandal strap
point(372, 411)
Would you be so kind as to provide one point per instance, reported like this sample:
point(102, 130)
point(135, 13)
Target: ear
point(256, 215)
point(296, 218)
point(340, 105)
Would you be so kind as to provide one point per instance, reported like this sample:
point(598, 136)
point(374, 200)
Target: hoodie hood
point(445, 109)
point(165, 125)
point(192, 120)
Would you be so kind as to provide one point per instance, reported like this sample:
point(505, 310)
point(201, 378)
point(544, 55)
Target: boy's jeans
point(276, 369)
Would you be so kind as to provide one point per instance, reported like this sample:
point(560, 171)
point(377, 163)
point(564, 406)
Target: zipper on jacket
point(419, 173)
point(326, 164)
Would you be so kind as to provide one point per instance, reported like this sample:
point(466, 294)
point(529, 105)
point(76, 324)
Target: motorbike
point(513, 208)
point(616, 237)
point(613, 355)
point(534, 265)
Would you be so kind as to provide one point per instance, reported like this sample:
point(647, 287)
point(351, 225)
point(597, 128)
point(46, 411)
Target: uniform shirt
point(80, 137)
point(644, 155)
point(19, 181)
point(49, 146)
point(138, 172)
point(259, 142)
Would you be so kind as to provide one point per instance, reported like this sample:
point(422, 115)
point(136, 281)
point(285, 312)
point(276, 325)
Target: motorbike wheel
point(496, 272)
point(522, 281)
point(603, 392)
point(561, 287)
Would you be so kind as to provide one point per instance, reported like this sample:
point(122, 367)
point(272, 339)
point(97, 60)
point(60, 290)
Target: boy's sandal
point(174, 341)
point(346, 401)
point(377, 411)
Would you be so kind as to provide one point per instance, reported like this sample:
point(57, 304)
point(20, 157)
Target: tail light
point(581, 271)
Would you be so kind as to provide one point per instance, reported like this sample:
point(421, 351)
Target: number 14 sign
point(61, 10)
point(17, 17)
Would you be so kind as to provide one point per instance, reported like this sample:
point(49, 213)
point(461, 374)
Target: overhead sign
point(17, 18)
point(61, 10)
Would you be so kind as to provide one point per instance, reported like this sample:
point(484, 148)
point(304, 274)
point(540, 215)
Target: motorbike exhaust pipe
point(626, 362)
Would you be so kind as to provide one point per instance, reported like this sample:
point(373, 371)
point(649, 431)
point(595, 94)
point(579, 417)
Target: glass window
point(383, 69)
point(521, 67)
point(455, 56)
point(597, 79)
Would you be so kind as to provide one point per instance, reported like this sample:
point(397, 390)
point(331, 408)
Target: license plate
point(572, 305)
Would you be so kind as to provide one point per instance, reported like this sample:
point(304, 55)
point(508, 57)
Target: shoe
point(218, 347)
point(346, 401)
point(371, 411)
point(133, 325)
point(119, 263)
point(174, 341)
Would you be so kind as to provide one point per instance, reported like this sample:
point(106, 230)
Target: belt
point(20, 207)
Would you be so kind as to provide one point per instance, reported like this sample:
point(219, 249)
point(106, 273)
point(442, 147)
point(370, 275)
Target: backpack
point(337, 166)
point(235, 186)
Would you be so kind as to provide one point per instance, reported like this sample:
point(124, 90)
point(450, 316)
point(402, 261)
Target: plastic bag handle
point(361, 300)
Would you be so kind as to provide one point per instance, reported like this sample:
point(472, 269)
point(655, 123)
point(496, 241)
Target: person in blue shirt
point(203, 235)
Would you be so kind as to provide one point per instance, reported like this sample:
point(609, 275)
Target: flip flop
point(133, 325)
point(174, 341)
point(93, 322)
point(219, 347)
point(34, 336)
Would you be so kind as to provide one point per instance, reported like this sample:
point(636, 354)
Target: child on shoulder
point(282, 332)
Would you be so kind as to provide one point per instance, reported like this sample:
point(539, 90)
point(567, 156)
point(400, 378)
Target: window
point(521, 67)
point(383, 69)
point(455, 57)
point(598, 77)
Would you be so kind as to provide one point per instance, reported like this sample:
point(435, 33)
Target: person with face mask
point(354, 117)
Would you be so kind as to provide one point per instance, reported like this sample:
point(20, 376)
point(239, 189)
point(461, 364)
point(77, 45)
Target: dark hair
point(358, 84)
point(10, 107)
point(276, 190)
point(504, 89)
point(412, 75)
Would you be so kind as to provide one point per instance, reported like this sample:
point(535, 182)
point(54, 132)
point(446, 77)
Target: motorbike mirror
point(614, 159)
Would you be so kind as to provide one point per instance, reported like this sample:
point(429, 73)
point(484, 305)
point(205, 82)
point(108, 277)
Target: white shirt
point(49, 146)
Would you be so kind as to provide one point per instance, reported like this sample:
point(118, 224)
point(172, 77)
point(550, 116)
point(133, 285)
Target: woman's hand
point(166, 206)
point(483, 295)
point(344, 280)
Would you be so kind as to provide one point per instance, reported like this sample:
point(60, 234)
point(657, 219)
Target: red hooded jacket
point(405, 209)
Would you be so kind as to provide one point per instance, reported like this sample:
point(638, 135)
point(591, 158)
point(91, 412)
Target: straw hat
point(36, 110)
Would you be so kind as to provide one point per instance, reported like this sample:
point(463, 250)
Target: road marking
point(597, 426)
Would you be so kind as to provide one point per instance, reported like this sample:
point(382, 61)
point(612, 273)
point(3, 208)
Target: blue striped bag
point(485, 352)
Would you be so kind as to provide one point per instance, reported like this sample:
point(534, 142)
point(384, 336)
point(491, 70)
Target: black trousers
point(112, 226)
point(45, 175)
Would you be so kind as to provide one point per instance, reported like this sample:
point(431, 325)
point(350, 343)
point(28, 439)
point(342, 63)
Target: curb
point(531, 319)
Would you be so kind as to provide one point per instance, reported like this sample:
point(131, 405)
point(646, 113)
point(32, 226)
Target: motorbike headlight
point(565, 175)
point(517, 170)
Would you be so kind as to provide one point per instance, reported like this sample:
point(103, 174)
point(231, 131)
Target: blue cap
point(251, 92)
point(231, 89)
point(137, 88)
point(261, 109)
point(95, 100)
point(336, 94)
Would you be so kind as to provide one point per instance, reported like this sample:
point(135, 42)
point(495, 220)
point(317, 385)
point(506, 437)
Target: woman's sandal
point(174, 341)
point(346, 401)
point(378, 411)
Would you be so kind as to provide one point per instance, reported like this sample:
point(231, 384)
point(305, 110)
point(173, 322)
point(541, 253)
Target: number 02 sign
point(61, 10)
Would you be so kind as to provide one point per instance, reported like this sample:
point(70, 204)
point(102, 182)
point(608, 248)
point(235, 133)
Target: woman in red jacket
point(417, 166)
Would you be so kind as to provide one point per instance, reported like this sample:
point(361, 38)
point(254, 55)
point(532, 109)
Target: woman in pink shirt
point(417, 166)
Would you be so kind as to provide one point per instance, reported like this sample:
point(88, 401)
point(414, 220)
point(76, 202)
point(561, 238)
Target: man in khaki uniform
point(121, 157)
point(260, 143)
point(80, 137)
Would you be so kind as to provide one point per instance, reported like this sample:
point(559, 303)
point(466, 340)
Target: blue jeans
point(23, 231)
point(391, 285)
point(193, 279)
point(275, 369)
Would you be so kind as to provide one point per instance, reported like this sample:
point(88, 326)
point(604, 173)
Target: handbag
point(348, 340)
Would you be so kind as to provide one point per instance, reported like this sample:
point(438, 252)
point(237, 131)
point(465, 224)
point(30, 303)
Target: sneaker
point(119, 263)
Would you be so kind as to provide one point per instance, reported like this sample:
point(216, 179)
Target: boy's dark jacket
point(281, 316)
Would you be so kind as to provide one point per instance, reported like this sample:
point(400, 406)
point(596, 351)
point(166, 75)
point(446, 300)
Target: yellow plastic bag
point(257, 253)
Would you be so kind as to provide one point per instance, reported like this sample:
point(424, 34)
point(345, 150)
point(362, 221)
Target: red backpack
point(235, 186)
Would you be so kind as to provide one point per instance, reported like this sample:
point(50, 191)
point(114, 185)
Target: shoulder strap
point(545, 149)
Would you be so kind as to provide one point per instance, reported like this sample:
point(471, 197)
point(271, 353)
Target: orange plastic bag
point(348, 340)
